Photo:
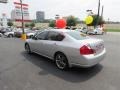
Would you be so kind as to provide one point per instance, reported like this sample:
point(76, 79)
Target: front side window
point(55, 36)
point(42, 35)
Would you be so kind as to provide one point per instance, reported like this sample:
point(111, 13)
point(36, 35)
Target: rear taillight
point(86, 50)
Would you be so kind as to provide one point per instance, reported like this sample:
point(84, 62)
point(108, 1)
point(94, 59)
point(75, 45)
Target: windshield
point(77, 35)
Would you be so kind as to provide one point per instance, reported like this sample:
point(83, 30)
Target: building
point(4, 21)
point(40, 16)
point(3, 1)
point(13, 15)
point(16, 14)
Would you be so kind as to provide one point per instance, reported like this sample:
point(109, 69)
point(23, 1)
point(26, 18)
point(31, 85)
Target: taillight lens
point(86, 50)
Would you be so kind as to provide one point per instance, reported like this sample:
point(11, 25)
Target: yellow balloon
point(89, 20)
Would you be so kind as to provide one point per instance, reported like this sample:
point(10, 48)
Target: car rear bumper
point(90, 60)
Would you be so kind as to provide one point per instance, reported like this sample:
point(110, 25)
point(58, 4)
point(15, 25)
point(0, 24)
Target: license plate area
point(99, 48)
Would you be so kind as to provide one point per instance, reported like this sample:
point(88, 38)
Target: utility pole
point(23, 31)
point(22, 17)
point(98, 13)
point(102, 11)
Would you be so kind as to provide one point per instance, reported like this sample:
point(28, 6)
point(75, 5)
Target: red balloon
point(61, 23)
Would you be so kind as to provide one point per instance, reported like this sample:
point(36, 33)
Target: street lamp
point(89, 12)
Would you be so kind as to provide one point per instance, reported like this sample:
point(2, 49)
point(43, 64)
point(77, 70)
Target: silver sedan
point(67, 48)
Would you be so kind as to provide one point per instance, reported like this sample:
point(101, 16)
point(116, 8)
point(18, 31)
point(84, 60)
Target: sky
point(66, 7)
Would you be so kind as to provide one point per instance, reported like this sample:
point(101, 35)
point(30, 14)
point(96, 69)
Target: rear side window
point(77, 35)
point(55, 36)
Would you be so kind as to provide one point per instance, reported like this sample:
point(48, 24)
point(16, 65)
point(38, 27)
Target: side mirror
point(34, 38)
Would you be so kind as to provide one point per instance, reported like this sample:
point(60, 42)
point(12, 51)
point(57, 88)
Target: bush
point(52, 23)
point(10, 24)
point(71, 21)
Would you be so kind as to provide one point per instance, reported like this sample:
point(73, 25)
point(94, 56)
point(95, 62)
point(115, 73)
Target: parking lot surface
point(22, 71)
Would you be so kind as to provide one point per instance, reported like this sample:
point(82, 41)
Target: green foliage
point(32, 24)
point(71, 21)
point(112, 30)
point(10, 24)
point(27, 25)
point(52, 23)
point(96, 21)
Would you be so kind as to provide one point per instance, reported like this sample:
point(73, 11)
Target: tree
point(10, 24)
point(27, 25)
point(32, 25)
point(96, 21)
point(71, 21)
point(52, 23)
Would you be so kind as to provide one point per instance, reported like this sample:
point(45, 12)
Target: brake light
point(86, 50)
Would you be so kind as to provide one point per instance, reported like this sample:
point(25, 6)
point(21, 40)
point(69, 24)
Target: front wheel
point(95, 33)
point(10, 36)
point(61, 61)
point(27, 48)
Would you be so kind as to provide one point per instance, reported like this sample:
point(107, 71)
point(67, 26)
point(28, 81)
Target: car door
point(52, 43)
point(37, 42)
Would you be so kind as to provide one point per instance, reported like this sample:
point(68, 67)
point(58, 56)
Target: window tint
point(42, 35)
point(55, 36)
point(77, 35)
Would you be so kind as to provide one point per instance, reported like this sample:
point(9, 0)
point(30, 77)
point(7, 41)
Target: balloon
point(61, 23)
point(89, 20)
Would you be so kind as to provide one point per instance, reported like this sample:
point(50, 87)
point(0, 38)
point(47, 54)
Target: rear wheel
point(61, 61)
point(27, 48)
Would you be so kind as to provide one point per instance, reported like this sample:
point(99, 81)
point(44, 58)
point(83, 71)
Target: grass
point(113, 30)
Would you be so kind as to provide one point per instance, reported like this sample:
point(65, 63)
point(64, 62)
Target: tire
point(61, 61)
point(102, 33)
point(30, 36)
point(10, 36)
point(27, 48)
point(95, 33)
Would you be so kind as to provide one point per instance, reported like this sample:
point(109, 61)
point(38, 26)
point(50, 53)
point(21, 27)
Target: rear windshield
point(77, 35)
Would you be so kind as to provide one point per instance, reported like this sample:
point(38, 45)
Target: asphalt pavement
point(22, 71)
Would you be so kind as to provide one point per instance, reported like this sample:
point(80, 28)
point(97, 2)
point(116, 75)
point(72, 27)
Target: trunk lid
point(96, 44)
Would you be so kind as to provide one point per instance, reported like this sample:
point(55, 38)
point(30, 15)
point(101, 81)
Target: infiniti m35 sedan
point(67, 48)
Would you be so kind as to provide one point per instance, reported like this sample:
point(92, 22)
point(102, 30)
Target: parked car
point(97, 31)
point(83, 30)
point(67, 48)
point(29, 33)
point(4, 30)
point(9, 34)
